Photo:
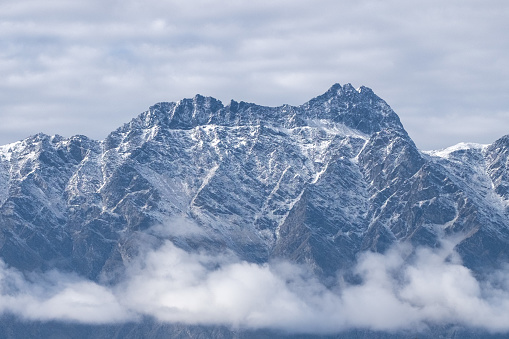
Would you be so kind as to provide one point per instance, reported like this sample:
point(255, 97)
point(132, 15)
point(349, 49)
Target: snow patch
point(446, 152)
point(6, 150)
point(335, 128)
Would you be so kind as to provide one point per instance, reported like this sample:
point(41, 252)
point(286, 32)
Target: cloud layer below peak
point(395, 293)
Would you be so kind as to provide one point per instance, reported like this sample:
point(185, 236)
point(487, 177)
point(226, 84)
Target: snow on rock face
point(462, 146)
point(314, 184)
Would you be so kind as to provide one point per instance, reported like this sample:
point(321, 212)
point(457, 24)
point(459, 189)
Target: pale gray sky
point(86, 67)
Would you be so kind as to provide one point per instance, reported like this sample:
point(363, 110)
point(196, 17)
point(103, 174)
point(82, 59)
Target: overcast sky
point(86, 67)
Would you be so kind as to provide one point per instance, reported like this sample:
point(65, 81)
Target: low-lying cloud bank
point(171, 285)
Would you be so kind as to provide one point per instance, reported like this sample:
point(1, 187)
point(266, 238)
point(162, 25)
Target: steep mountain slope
point(315, 184)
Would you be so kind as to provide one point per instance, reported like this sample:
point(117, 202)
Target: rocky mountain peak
point(358, 109)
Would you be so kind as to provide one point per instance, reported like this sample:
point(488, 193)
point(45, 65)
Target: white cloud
point(58, 296)
point(404, 289)
point(177, 226)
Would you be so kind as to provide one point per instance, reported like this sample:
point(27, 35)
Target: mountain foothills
point(314, 185)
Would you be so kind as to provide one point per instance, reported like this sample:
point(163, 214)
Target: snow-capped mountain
point(314, 184)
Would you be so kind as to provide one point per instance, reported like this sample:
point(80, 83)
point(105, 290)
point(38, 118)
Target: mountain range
point(315, 185)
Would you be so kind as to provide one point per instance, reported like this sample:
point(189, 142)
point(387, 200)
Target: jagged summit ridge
point(357, 109)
